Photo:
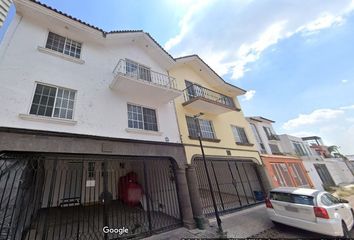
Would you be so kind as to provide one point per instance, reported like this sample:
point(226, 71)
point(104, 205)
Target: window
point(302, 199)
point(239, 134)
point(274, 148)
point(53, 102)
point(299, 149)
point(268, 132)
point(328, 200)
point(142, 118)
point(91, 172)
point(206, 128)
point(64, 45)
point(136, 70)
point(292, 198)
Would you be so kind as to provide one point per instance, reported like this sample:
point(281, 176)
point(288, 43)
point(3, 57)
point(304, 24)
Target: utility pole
point(218, 220)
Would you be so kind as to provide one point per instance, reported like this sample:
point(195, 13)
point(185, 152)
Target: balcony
point(274, 137)
point(205, 100)
point(131, 77)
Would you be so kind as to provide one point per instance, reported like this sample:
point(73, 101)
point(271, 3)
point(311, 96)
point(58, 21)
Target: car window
point(302, 199)
point(278, 196)
point(328, 200)
point(292, 198)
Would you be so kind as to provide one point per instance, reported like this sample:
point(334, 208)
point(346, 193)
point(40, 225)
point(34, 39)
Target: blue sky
point(295, 57)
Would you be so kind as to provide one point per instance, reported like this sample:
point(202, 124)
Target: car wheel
point(346, 233)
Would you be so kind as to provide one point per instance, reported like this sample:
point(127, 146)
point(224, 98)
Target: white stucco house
point(87, 121)
point(323, 171)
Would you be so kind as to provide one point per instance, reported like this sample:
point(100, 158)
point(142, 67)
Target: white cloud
point(344, 81)
point(185, 23)
point(326, 20)
point(335, 126)
point(350, 107)
point(249, 95)
point(315, 117)
point(229, 35)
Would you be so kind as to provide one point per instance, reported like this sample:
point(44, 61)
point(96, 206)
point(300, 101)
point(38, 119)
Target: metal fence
point(85, 197)
point(236, 184)
point(140, 72)
point(194, 91)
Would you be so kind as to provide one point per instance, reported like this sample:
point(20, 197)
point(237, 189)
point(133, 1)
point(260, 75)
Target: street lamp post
point(218, 220)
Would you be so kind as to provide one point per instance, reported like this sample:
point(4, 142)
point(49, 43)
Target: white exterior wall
point(315, 178)
point(339, 171)
point(287, 146)
point(263, 135)
point(98, 109)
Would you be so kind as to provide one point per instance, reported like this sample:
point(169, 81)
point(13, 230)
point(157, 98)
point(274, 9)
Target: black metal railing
point(86, 197)
point(140, 72)
point(195, 91)
point(236, 184)
point(273, 137)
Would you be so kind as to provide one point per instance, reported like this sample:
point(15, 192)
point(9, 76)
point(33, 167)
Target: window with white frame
point(240, 135)
point(206, 128)
point(64, 45)
point(299, 150)
point(52, 101)
point(136, 70)
point(142, 118)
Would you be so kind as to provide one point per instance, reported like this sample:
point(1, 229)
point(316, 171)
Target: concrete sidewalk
point(241, 224)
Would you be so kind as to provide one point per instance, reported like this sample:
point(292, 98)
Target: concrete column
point(194, 191)
point(184, 199)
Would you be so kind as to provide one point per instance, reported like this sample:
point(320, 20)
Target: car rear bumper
point(331, 227)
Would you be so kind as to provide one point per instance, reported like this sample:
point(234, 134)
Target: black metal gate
point(236, 184)
point(324, 175)
point(86, 197)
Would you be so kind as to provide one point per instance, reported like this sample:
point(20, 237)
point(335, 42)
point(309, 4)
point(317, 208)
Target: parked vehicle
point(310, 209)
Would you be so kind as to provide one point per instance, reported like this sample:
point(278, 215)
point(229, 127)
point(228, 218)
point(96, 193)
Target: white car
point(311, 210)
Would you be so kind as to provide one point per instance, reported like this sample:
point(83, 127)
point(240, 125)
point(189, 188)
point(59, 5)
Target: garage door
point(236, 184)
point(76, 197)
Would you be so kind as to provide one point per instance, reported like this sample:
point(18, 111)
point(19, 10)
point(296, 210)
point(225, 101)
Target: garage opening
point(236, 184)
point(86, 197)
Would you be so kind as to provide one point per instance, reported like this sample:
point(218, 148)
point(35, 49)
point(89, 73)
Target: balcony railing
point(139, 72)
point(196, 91)
point(273, 137)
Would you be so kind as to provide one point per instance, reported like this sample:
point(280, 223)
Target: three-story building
point(283, 169)
point(88, 131)
point(209, 108)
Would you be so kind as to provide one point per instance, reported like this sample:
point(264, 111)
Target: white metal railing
point(136, 71)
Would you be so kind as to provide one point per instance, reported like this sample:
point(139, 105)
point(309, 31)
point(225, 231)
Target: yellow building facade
point(194, 70)
point(209, 107)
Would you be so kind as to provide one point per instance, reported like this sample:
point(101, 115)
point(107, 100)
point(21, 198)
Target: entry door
point(73, 182)
point(324, 174)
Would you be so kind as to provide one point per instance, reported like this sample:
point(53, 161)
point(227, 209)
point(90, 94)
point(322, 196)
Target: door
point(324, 174)
point(73, 183)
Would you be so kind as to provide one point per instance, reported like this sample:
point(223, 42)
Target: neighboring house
point(4, 10)
point(337, 162)
point(316, 144)
point(227, 139)
point(324, 170)
point(282, 170)
point(88, 131)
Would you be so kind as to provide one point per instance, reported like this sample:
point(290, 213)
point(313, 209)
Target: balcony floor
point(207, 106)
point(144, 88)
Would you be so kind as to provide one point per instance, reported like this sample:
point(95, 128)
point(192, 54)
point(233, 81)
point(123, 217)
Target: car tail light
point(321, 212)
point(268, 203)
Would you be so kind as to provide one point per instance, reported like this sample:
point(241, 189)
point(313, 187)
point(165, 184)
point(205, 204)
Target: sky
point(295, 58)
